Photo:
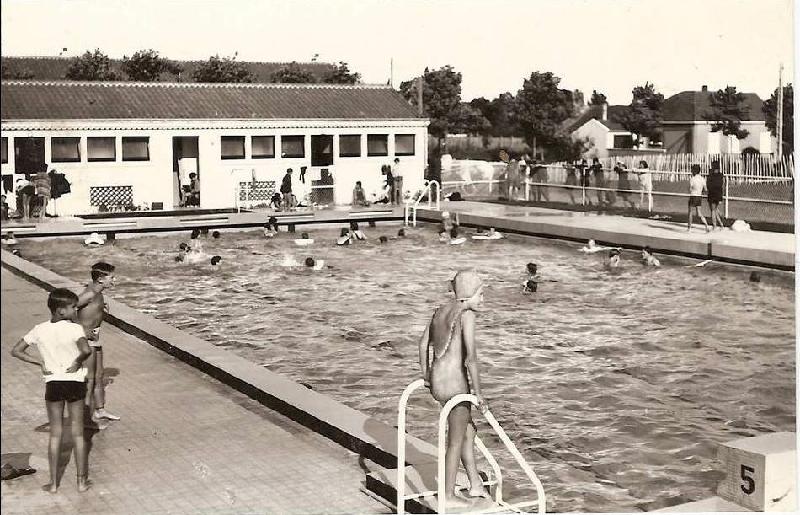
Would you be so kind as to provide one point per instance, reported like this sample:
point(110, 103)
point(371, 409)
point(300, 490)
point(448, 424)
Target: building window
point(350, 145)
point(263, 147)
point(101, 149)
point(404, 145)
point(232, 147)
point(377, 145)
point(293, 146)
point(625, 141)
point(65, 150)
point(4, 149)
point(135, 149)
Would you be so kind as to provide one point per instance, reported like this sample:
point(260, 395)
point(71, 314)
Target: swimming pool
point(617, 388)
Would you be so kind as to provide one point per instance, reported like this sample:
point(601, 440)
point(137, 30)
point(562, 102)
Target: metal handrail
point(401, 452)
point(448, 407)
point(413, 209)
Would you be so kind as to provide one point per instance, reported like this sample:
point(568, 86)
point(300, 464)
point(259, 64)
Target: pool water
point(617, 388)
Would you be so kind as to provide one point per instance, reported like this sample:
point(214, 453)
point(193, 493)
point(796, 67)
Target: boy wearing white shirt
point(63, 348)
point(697, 185)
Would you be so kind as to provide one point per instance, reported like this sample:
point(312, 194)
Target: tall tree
point(597, 99)
point(727, 111)
point(292, 73)
point(147, 66)
point(643, 116)
point(470, 120)
point(770, 109)
point(441, 96)
point(500, 113)
point(341, 74)
point(91, 66)
point(541, 107)
point(225, 69)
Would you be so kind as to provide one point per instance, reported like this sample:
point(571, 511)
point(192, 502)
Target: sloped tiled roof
point(688, 106)
point(55, 68)
point(615, 112)
point(29, 100)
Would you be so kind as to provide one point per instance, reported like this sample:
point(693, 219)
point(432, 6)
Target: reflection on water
point(618, 389)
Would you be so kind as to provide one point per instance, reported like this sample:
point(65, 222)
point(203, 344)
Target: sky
point(605, 45)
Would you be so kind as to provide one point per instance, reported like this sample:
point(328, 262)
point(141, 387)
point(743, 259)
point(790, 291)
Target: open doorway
point(186, 171)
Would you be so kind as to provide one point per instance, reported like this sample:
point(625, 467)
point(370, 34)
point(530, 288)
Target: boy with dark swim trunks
point(452, 370)
point(62, 348)
point(91, 308)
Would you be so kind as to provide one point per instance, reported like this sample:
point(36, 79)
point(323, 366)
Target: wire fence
point(756, 189)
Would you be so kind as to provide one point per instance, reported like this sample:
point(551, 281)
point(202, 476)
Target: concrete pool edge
point(718, 251)
point(346, 426)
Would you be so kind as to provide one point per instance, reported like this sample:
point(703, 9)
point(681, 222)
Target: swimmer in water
point(356, 232)
point(317, 264)
point(215, 235)
point(345, 237)
point(9, 239)
point(383, 239)
point(531, 284)
point(648, 259)
point(271, 227)
point(453, 369)
point(614, 259)
point(215, 260)
point(183, 249)
point(195, 234)
point(455, 236)
point(401, 233)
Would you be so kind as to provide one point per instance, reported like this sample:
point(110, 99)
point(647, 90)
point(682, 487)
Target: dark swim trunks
point(69, 391)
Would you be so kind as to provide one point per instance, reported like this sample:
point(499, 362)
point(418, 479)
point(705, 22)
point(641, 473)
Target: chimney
point(704, 89)
point(605, 111)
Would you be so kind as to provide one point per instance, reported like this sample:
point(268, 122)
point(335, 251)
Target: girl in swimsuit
point(452, 370)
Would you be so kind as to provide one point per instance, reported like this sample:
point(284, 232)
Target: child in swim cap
point(453, 370)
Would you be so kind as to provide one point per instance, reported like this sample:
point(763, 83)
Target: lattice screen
point(260, 191)
point(111, 196)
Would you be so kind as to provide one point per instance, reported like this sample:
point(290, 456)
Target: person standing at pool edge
point(286, 190)
point(62, 349)
point(91, 308)
point(696, 186)
point(454, 370)
point(715, 186)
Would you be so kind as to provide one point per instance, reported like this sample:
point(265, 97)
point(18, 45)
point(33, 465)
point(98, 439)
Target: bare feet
point(454, 502)
point(84, 484)
point(50, 487)
point(478, 491)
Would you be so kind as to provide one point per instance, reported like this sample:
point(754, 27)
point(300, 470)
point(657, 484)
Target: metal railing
point(540, 501)
point(412, 204)
point(747, 196)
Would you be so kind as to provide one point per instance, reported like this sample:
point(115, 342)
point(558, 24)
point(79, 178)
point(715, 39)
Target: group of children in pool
point(193, 253)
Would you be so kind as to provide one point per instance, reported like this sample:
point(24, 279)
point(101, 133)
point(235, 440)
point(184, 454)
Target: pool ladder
point(500, 506)
point(412, 204)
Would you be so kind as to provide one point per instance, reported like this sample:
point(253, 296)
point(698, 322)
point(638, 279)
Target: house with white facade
point(686, 129)
point(133, 144)
point(600, 125)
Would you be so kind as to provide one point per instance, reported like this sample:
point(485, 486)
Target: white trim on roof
point(198, 124)
point(705, 122)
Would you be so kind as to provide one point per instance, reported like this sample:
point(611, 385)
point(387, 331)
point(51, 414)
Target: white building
point(129, 144)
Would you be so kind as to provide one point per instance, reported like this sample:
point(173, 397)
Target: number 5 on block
point(761, 473)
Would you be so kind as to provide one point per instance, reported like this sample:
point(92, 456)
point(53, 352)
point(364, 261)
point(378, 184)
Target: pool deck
point(186, 442)
point(759, 248)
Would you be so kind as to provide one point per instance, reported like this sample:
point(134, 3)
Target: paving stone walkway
point(186, 443)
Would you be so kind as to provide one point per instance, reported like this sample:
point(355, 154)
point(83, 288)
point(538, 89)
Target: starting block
point(760, 472)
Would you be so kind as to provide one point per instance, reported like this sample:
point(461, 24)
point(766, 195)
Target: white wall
point(152, 180)
point(598, 134)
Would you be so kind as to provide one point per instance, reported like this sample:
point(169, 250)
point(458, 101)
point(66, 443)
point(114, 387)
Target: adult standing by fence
point(624, 184)
point(512, 177)
point(646, 185)
point(540, 178)
point(573, 172)
point(696, 186)
point(599, 181)
point(715, 186)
